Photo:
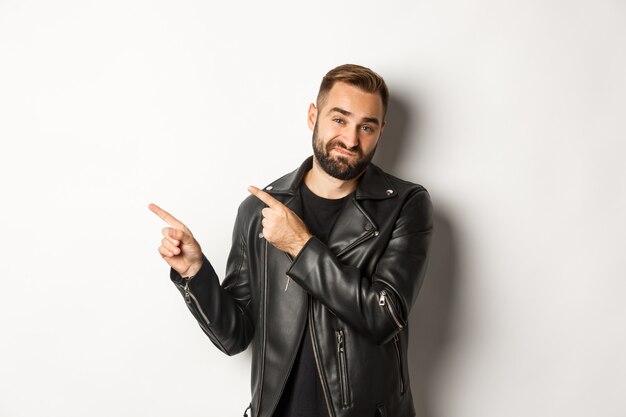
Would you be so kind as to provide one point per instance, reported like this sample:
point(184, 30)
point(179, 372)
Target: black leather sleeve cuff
point(200, 283)
point(294, 260)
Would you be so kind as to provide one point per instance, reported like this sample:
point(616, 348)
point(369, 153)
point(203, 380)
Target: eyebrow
point(347, 113)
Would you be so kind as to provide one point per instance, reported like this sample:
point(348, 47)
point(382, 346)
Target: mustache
point(336, 143)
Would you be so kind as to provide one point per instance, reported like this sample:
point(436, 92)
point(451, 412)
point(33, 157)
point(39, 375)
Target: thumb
point(183, 235)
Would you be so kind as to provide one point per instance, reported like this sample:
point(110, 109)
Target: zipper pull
point(186, 292)
point(383, 298)
point(340, 341)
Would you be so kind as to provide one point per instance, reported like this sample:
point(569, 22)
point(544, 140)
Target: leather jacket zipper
point(368, 235)
point(194, 305)
point(383, 301)
point(264, 322)
point(343, 367)
point(359, 241)
point(396, 342)
point(186, 291)
point(331, 412)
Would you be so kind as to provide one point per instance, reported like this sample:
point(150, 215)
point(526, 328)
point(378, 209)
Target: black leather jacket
point(357, 292)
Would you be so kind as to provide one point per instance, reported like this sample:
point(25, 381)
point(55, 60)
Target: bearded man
point(325, 265)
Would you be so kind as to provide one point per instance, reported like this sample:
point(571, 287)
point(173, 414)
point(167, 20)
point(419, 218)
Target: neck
point(323, 185)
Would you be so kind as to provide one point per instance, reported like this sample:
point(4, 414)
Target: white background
point(510, 113)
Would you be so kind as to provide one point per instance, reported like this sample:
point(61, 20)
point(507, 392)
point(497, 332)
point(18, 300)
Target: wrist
point(301, 242)
point(192, 270)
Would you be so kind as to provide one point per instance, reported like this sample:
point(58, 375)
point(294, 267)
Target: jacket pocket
point(385, 301)
point(396, 342)
point(343, 368)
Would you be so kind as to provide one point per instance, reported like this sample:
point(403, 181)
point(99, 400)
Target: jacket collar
point(373, 183)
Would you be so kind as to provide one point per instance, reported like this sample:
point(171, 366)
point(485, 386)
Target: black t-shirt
point(303, 395)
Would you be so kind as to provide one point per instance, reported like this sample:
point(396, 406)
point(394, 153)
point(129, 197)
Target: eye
point(367, 129)
point(338, 120)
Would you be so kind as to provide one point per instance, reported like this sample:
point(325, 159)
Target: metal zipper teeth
point(189, 297)
point(331, 412)
point(396, 340)
point(343, 370)
point(264, 326)
point(383, 301)
point(373, 232)
point(186, 290)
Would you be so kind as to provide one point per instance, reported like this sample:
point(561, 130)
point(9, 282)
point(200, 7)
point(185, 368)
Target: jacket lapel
point(353, 225)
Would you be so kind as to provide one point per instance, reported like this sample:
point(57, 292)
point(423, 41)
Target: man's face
point(346, 128)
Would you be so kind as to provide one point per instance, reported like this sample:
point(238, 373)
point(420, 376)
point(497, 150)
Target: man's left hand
point(281, 226)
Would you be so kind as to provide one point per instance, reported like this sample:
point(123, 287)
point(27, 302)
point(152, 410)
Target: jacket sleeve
point(223, 311)
point(376, 306)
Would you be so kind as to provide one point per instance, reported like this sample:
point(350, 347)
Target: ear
point(311, 116)
point(382, 129)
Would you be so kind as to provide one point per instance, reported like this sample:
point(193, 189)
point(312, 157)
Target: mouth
point(343, 152)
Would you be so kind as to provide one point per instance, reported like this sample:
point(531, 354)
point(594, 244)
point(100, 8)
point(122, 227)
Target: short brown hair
point(358, 76)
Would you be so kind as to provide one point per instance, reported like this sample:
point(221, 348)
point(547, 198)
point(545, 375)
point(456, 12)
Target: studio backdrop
point(511, 114)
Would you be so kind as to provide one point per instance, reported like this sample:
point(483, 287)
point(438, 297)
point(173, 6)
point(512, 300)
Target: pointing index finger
point(165, 216)
point(264, 197)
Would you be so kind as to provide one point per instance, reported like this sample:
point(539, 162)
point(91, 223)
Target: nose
point(351, 138)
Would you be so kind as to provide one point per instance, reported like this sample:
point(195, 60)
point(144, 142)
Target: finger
point(173, 234)
point(165, 216)
point(177, 234)
point(266, 212)
point(168, 245)
point(174, 242)
point(165, 253)
point(264, 197)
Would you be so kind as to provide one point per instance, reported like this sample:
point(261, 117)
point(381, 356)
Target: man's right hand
point(178, 247)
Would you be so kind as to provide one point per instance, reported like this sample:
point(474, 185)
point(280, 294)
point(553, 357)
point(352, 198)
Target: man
point(325, 265)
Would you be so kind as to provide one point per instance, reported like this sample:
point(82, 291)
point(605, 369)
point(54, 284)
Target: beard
point(340, 167)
